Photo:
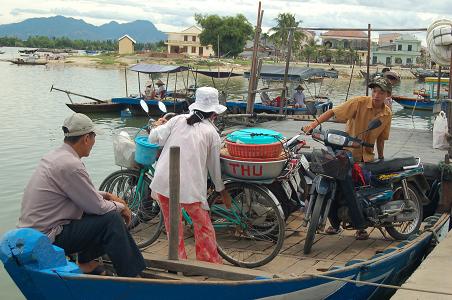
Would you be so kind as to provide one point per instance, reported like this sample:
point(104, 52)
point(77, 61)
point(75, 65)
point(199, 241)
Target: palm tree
point(280, 33)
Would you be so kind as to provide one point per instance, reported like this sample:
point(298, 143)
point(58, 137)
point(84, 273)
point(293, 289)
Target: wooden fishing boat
point(418, 103)
point(41, 270)
point(426, 97)
point(96, 107)
point(30, 62)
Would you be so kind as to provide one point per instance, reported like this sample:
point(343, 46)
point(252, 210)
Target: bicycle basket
point(327, 164)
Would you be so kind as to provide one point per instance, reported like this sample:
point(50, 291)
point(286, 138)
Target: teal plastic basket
point(255, 136)
point(145, 153)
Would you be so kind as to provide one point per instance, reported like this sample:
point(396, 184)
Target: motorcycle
point(382, 194)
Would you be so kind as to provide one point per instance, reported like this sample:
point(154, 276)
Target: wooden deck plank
point(208, 269)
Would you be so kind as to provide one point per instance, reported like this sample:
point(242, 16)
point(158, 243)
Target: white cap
point(207, 101)
point(77, 125)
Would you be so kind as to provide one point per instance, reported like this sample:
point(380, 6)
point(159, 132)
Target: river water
point(32, 116)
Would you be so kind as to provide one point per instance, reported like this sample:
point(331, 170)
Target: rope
point(378, 284)
point(439, 43)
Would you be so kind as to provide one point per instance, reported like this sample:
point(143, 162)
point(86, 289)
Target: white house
point(187, 42)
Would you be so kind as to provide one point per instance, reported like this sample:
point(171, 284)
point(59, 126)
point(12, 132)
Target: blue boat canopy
point(270, 72)
point(154, 68)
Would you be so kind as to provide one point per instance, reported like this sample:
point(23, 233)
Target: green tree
point(231, 32)
point(310, 50)
point(280, 32)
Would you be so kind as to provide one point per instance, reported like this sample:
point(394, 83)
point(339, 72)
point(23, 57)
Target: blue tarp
point(270, 72)
point(217, 74)
point(154, 68)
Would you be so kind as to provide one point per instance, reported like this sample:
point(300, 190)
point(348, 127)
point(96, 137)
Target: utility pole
point(368, 59)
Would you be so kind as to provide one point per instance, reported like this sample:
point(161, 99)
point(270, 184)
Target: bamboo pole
point(174, 210)
point(286, 71)
point(368, 59)
point(251, 84)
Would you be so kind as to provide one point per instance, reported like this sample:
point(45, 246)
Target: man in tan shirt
point(358, 112)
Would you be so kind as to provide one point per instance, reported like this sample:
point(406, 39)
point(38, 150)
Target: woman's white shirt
point(199, 155)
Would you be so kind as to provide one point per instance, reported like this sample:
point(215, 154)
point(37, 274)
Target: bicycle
point(253, 216)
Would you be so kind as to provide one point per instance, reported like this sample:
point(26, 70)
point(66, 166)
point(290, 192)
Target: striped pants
point(205, 241)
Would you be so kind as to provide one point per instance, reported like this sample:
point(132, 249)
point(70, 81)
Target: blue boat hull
point(41, 272)
point(240, 107)
point(419, 105)
point(177, 106)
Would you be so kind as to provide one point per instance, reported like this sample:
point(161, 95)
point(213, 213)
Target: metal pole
point(286, 71)
point(449, 106)
point(350, 82)
point(174, 210)
point(438, 85)
point(139, 85)
point(368, 59)
point(125, 78)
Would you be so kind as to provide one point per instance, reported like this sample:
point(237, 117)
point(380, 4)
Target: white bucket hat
point(207, 101)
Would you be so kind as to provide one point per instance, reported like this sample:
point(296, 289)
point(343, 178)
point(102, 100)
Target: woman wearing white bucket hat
point(199, 144)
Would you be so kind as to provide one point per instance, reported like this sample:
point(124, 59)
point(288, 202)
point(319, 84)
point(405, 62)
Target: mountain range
point(60, 26)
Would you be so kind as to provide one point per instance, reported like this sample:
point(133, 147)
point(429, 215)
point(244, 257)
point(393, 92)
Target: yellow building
point(126, 45)
point(187, 42)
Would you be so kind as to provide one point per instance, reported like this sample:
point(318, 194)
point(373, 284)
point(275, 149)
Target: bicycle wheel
point(147, 220)
point(250, 233)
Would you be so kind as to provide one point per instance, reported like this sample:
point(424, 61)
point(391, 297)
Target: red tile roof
point(351, 33)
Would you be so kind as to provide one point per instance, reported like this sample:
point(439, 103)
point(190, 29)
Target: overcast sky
point(174, 15)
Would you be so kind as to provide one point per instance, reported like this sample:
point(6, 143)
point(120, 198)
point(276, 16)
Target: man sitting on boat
point(299, 97)
point(358, 112)
point(61, 201)
point(265, 98)
point(161, 91)
point(149, 92)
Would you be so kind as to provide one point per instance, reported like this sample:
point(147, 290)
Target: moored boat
point(28, 61)
point(95, 107)
point(41, 271)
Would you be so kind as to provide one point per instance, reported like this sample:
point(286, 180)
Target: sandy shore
point(117, 62)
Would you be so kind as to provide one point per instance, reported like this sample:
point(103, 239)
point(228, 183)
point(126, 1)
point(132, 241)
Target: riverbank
point(238, 66)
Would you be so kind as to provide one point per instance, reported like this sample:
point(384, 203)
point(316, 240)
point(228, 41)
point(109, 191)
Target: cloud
point(171, 15)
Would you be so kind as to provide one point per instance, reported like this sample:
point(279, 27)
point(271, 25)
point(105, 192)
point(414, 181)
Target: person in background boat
point(394, 79)
point(199, 143)
point(60, 201)
point(265, 98)
point(358, 112)
point(160, 92)
point(299, 97)
point(149, 92)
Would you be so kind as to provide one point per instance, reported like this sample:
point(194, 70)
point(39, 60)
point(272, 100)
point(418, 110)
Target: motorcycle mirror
point(162, 107)
point(374, 124)
point(144, 106)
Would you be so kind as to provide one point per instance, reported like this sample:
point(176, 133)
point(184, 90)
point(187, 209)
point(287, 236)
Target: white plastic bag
point(440, 132)
point(124, 150)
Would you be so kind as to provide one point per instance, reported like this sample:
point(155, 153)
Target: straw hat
point(206, 100)
point(159, 82)
point(149, 83)
point(299, 87)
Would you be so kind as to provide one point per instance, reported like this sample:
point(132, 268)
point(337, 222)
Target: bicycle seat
point(391, 165)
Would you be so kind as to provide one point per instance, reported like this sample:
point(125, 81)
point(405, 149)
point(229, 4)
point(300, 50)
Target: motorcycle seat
point(390, 165)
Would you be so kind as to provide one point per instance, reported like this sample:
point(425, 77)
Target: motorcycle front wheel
point(313, 223)
point(403, 230)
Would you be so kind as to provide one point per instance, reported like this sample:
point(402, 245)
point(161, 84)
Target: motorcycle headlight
point(336, 139)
